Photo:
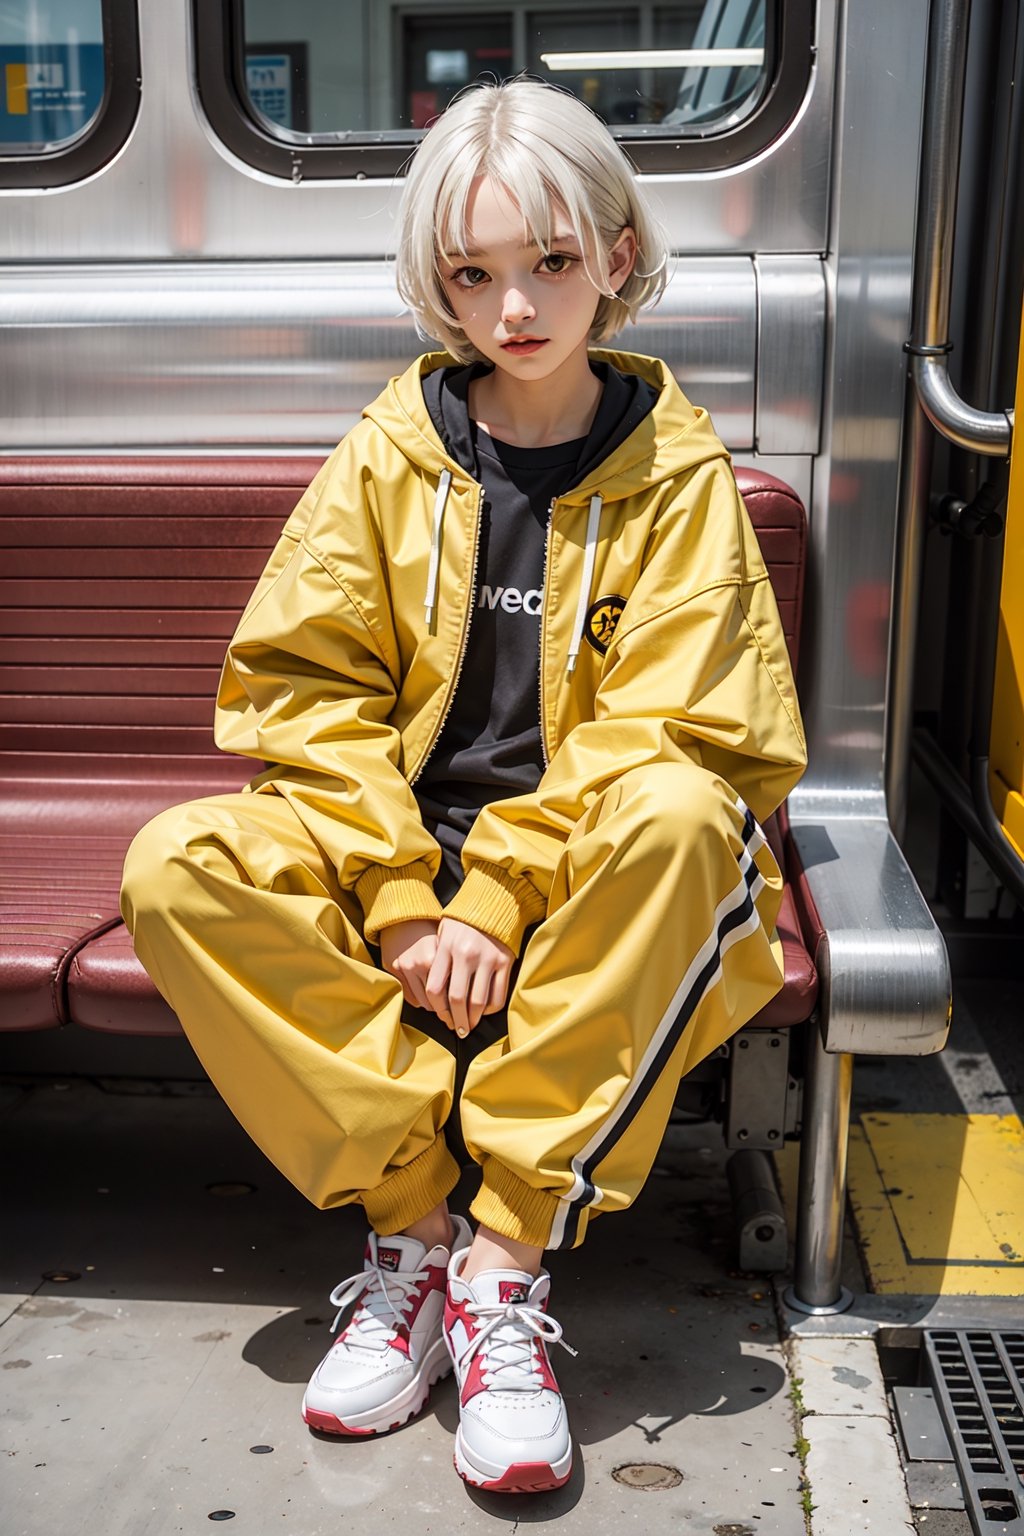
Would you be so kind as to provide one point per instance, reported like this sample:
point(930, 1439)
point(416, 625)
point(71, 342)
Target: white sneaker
point(513, 1434)
point(380, 1370)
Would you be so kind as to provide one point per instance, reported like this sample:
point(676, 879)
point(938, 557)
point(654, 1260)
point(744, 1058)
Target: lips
point(522, 345)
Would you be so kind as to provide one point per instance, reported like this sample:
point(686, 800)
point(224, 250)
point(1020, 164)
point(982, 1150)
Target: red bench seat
point(122, 583)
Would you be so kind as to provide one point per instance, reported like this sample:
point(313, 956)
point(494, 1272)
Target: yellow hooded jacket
point(660, 640)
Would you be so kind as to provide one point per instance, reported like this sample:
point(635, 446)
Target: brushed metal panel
point(175, 192)
point(212, 355)
point(790, 353)
point(868, 283)
point(705, 328)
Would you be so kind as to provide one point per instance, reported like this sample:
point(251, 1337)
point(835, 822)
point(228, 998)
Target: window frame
point(218, 35)
point(109, 130)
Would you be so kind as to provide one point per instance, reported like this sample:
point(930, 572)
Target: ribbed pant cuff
point(413, 1191)
point(514, 1209)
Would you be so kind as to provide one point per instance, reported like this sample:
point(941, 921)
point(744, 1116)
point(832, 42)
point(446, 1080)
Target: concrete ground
point(164, 1298)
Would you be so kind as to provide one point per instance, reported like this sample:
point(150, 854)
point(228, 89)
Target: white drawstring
point(430, 601)
point(590, 554)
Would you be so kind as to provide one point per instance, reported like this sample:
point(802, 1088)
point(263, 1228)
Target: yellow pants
point(655, 949)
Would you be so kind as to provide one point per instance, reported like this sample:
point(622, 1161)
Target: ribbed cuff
point(497, 903)
point(514, 1209)
point(413, 1191)
point(390, 896)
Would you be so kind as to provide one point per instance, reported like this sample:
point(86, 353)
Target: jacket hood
point(674, 437)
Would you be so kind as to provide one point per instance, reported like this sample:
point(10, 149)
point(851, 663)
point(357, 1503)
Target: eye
point(468, 277)
point(562, 262)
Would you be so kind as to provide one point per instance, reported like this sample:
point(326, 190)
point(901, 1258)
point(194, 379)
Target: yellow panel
point(1006, 748)
point(17, 90)
point(1011, 814)
point(939, 1203)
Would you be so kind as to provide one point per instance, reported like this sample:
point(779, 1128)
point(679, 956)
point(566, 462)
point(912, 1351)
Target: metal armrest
point(884, 982)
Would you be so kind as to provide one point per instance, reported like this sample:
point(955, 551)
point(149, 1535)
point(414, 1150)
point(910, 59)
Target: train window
point(69, 88)
point(345, 89)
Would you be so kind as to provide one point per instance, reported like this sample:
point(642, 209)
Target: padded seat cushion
point(62, 852)
point(799, 991)
point(56, 894)
point(107, 989)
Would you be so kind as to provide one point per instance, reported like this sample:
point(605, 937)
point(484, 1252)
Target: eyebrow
point(564, 238)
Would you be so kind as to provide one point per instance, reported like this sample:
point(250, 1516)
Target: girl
point(518, 675)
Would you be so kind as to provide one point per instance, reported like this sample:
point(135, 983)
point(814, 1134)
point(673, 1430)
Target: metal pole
point(816, 1285)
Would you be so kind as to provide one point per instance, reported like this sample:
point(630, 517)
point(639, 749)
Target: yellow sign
point(17, 89)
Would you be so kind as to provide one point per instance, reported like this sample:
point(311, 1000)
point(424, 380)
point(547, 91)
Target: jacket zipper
point(453, 686)
point(543, 632)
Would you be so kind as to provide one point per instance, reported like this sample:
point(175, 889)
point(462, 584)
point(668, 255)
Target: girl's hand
point(407, 953)
point(469, 976)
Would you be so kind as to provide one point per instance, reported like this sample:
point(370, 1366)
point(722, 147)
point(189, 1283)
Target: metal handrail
point(987, 432)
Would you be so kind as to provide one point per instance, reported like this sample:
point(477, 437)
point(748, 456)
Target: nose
point(516, 307)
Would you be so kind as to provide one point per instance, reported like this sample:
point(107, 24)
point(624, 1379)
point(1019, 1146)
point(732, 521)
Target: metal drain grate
point(978, 1381)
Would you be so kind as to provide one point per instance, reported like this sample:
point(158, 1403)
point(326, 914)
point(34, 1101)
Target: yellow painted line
point(938, 1202)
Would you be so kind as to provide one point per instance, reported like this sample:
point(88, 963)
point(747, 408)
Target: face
point(525, 312)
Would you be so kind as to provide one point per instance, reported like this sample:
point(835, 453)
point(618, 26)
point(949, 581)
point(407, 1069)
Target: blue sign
point(268, 79)
point(50, 92)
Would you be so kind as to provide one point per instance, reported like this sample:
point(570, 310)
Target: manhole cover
point(650, 1476)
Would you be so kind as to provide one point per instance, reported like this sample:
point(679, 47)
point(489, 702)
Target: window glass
point(330, 67)
point(52, 73)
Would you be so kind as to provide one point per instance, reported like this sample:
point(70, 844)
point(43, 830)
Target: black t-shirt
point(490, 745)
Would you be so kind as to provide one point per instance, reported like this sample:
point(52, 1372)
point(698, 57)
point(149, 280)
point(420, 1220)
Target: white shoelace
point(509, 1332)
point(376, 1318)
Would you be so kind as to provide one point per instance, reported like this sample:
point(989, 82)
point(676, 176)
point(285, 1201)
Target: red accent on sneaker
point(521, 1477)
point(328, 1424)
point(455, 1311)
point(513, 1291)
point(474, 1381)
point(547, 1375)
point(388, 1258)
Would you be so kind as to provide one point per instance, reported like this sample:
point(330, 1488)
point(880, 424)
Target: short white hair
point(544, 147)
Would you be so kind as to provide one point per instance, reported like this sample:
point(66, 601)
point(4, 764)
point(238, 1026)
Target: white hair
point(546, 149)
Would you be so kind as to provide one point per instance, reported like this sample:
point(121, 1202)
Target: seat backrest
point(123, 580)
point(780, 523)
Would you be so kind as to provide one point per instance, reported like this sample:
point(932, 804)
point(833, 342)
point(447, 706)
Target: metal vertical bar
point(933, 257)
point(929, 391)
point(828, 1082)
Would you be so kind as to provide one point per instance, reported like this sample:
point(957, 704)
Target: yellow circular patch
point(602, 618)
